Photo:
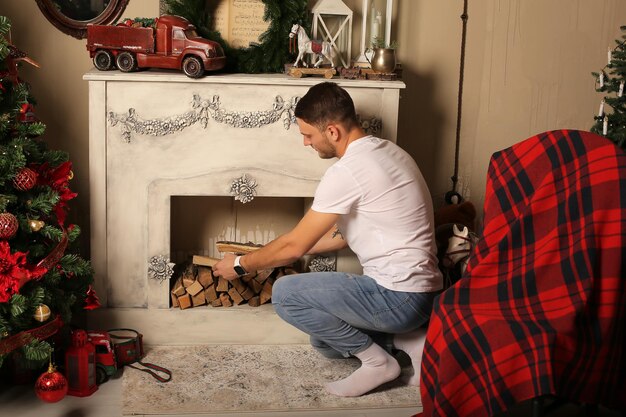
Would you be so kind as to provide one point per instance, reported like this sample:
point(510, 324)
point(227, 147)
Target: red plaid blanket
point(542, 307)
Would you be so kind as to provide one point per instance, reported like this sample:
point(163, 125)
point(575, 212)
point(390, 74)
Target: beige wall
point(528, 68)
point(58, 88)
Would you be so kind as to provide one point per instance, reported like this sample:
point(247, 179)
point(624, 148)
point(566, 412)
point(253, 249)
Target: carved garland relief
point(203, 110)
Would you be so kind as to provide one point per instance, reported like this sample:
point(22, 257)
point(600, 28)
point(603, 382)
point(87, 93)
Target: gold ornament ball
point(71, 175)
point(36, 225)
point(42, 313)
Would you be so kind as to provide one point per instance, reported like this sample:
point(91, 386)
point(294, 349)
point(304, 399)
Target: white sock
point(377, 367)
point(412, 344)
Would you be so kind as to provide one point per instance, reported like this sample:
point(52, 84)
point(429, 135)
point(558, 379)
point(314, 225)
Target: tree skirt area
point(242, 378)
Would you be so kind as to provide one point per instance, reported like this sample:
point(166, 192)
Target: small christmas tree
point(611, 118)
point(42, 280)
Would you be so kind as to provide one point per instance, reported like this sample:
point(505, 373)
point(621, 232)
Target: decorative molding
point(243, 188)
point(160, 268)
point(202, 111)
point(323, 264)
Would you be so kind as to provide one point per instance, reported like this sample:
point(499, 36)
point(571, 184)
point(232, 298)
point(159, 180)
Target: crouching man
point(374, 200)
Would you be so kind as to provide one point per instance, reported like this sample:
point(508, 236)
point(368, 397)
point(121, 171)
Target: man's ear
point(333, 131)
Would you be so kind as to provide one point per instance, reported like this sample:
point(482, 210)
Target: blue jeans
point(345, 313)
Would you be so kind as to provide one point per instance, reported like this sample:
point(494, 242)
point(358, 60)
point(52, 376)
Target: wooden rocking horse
point(321, 49)
point(457, 254)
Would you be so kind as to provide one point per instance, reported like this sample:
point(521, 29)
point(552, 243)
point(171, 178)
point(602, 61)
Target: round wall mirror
point(73, 16)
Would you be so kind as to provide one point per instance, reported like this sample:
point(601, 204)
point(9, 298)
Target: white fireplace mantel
point(154, 135)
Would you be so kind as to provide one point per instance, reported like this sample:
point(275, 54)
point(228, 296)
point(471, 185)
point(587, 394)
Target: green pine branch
point(44, 201)
point(18, 305)
point(74, 264)
point(36, 352)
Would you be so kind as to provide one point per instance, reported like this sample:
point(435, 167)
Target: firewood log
point(204, 260)
point(226, 302)
point(237, 247)
point(210, 294)
point(194, 288)
point(184, 301)
point(239, 285)
point(205, 276)
point(266, 293)
point(179, 288)
point(198, 299)
point(247, 293)
point(222, 285)
point(263, 275)
point(255, 286)
point(235, 296)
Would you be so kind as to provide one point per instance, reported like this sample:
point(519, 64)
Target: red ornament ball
point(51, 386)
point(8, 225)
point(25, 179)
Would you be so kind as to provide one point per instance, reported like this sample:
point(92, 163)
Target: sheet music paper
point(240, 22)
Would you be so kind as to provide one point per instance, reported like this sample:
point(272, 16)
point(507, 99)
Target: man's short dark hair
point(327, 103)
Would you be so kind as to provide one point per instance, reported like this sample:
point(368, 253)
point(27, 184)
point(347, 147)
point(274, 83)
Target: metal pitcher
point(383, 60)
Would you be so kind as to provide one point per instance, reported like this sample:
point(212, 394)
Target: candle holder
point(80, 366)
point(375, 26)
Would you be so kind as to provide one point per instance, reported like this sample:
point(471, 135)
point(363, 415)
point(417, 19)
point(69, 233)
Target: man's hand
point(225, 268)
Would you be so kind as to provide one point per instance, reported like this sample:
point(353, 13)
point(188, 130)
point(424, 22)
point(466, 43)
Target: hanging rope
point(455, 178)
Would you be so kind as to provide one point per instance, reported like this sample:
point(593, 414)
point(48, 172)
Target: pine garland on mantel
point(272, 51)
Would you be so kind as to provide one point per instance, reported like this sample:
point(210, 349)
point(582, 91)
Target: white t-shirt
point(386, 214)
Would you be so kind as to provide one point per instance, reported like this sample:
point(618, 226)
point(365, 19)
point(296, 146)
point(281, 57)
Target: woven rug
point(243, 378)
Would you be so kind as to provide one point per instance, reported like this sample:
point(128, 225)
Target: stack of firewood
point(197, 285)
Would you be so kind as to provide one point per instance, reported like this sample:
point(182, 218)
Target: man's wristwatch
point(240, 270)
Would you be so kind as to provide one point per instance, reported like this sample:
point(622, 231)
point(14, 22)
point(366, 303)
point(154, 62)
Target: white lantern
point(332, 22)
point(376, 23)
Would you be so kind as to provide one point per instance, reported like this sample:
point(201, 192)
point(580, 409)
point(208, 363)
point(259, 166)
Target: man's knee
point(281, 289)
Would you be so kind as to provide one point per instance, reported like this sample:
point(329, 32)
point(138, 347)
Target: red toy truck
point(174, 44)
point(106, 365)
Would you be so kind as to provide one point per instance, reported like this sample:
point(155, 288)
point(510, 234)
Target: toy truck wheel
point(101, 375)
point(192, 67)
point(103, 60)
point(126, 62)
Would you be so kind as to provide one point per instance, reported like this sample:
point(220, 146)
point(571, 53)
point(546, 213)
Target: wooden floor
point(21, 401)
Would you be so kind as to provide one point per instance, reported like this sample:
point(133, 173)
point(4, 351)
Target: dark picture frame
point(78, 28)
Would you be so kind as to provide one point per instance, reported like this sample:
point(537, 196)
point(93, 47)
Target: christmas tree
point(611, 118)
point(43, 280)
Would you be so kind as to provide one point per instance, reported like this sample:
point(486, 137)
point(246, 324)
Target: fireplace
point(158, 141)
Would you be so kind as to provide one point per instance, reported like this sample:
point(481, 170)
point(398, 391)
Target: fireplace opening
point(199, 223)
point(199, 226)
